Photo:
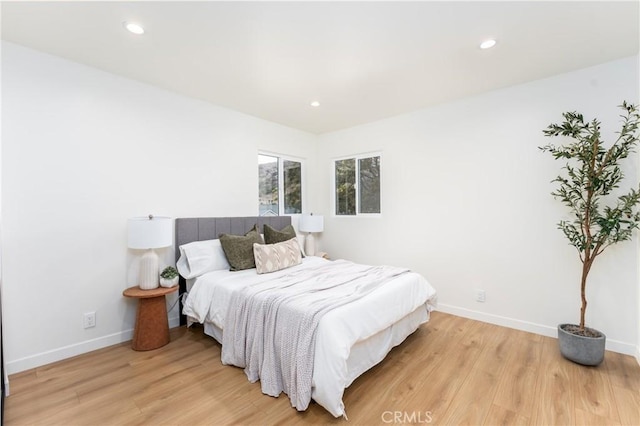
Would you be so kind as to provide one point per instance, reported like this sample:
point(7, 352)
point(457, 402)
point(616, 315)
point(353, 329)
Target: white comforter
point(338, 331)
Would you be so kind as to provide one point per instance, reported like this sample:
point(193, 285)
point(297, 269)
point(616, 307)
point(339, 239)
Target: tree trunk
point(586, 267)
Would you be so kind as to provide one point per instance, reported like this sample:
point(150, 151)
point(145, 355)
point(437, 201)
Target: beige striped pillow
point(275, 257)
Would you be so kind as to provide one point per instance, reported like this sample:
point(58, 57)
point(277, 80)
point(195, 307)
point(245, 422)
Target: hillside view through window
point(279, 186)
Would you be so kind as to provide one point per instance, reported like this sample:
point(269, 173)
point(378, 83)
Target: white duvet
point(339, 332)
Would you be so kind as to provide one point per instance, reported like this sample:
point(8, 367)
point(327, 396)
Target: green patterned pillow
point(273, 236)
point(239, 249)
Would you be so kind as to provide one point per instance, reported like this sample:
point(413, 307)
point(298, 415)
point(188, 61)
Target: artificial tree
point(592, 172)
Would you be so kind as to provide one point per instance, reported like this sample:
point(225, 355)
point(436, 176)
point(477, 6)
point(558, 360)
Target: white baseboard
point(545, 330)
point(69, 351)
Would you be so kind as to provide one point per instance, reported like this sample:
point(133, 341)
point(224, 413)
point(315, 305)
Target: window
point(357, 185)
point(279, 185)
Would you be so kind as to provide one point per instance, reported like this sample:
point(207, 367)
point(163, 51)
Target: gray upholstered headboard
point(209, 228)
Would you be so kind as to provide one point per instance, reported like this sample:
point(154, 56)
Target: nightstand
point(152, 325)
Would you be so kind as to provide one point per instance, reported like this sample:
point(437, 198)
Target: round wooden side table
point(152, 324)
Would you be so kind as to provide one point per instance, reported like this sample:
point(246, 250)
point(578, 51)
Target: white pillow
point(275, 257)
point(200, 257)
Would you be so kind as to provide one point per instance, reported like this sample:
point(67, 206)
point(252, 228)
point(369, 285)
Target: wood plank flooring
point(451, 371)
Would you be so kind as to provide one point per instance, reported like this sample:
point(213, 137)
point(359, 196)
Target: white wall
point(638, 244)
point(84, 150)
point(466, 201)
point(465, 198)
point(5, 375)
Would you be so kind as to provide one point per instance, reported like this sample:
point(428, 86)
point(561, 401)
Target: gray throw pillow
point(239, 248)
point(273, 236)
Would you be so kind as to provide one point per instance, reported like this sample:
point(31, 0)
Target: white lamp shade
point(311, 223)
point(145, 233)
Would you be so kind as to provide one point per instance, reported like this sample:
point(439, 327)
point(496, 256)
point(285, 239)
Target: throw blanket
point(270, 326)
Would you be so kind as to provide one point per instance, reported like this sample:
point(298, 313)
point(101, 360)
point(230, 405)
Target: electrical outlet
point(89, 319)
point(480, 296)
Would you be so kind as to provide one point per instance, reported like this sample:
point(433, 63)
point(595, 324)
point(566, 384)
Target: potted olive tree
point(588, 186)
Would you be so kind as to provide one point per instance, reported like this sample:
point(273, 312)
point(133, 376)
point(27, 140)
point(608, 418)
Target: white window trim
point(333, 185)
point(281, 158)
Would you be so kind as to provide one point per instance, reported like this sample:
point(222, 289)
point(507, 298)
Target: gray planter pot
point(580, 349)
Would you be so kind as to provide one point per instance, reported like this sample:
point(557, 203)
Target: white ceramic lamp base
point(310, 245)
point(148, 275)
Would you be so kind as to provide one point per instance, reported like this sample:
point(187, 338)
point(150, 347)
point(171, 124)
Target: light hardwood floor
point(451, 371)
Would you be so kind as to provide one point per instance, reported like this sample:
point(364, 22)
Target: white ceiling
point(363, 61)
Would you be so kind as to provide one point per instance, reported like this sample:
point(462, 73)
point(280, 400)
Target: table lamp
point(310, 223)
point(148, 233)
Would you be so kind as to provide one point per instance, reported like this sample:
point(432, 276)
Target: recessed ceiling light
point(487, 44)
point(315, 104)
point(134, 28)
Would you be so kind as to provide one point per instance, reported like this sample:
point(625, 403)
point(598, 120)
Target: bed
point(349, 339)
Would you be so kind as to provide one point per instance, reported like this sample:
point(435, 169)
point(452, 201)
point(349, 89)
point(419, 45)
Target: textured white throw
point(271, 325)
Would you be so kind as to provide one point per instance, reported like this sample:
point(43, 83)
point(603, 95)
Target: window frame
point(356, 158)
point(281, 159)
